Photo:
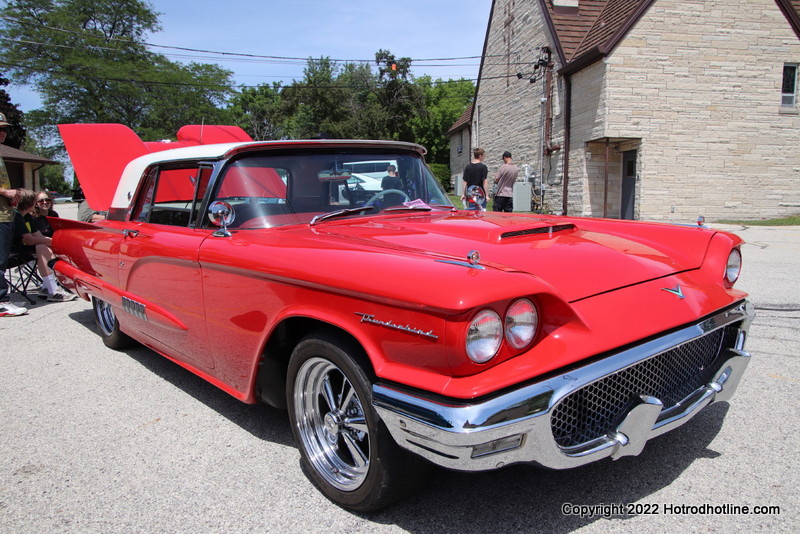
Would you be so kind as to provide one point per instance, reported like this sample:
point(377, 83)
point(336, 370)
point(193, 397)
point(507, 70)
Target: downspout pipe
point(549, 147)
point(567, 131)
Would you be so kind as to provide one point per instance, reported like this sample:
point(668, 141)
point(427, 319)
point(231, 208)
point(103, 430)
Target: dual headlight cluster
point(487, 330)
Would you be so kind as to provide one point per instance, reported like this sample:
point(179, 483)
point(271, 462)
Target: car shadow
point(518, 498)
point(262, 421)
point(525, 498)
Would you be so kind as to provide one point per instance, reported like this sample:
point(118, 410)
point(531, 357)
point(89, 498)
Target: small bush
point(442, 173)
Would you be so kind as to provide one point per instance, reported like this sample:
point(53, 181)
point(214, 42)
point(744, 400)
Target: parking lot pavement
point(98, 441)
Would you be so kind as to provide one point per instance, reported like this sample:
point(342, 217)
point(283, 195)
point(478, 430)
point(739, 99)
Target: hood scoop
point(537, 230)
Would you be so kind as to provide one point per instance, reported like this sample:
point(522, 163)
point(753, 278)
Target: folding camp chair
point(21, 274)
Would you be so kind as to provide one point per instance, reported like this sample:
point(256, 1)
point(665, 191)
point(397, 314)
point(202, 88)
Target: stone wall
point(508, 109)
point(699, 83)
point(694, 87)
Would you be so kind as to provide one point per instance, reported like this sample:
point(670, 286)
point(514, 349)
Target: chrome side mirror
point(221, 214)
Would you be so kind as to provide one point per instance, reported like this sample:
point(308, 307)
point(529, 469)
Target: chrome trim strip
point(462, 264)
point(446, 434)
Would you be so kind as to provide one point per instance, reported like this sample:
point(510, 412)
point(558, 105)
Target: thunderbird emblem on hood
point(674, 290)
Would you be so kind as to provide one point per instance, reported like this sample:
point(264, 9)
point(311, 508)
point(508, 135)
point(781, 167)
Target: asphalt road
point(98, 441)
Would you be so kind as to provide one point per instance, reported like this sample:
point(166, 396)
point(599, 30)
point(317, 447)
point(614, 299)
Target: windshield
point(267, 190)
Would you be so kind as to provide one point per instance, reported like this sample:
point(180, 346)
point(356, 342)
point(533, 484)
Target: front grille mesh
point(597, 409)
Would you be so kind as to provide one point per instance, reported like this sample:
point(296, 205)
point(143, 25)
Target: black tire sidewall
point(117, 339)
point(375, 492)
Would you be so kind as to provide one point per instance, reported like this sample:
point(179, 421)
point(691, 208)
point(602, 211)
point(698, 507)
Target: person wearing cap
point(8, 198)
point(504, 184)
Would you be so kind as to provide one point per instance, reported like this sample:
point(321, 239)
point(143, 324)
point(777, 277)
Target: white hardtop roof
point(129, 180)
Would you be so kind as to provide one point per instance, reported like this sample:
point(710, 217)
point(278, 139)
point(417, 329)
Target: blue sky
point(354, 30)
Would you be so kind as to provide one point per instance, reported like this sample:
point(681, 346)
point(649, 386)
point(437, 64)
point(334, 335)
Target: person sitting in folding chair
point(26, 234)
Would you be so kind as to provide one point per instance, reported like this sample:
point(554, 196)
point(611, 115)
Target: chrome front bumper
point(516, 426)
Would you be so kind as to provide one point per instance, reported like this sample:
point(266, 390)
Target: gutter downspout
point(549, 147)
point(605, 183)
point(567, 132)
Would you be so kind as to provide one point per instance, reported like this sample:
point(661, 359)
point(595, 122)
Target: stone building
point(23, 167)
point(460, 135)
point(645, 109)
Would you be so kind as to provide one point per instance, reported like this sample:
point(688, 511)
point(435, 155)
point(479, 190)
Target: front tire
point(108, 326)
point(345, 448)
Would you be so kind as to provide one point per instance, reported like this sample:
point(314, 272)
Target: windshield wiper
point(409, 208)
point(339, 213)
point(426, 207)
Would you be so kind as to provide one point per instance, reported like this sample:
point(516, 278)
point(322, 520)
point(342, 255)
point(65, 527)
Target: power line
point(225, 53)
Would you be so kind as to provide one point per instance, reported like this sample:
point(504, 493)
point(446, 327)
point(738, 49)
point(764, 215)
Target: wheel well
point(271, 380)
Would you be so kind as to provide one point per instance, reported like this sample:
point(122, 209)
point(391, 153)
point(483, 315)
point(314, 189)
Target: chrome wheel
point(106, 320)
point(331, 424)
point(108, 325)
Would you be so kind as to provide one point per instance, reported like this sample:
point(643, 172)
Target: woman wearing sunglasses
point(43, 210)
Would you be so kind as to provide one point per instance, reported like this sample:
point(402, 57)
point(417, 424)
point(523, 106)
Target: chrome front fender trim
point(515, 426)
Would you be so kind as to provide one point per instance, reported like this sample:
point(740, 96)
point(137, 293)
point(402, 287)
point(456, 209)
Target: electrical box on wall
point(522, 196)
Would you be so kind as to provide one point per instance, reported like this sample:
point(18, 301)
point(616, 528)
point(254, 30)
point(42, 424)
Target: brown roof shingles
point(597, 25)
point(462, 121)
point(14, 154)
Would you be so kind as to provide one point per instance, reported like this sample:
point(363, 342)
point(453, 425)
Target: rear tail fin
point(100, 152)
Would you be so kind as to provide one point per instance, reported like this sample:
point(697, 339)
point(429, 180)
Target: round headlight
point(734, 266)
point(522, 320)
point(484, 336)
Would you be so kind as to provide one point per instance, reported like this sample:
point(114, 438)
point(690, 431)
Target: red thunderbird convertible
point(398, 330)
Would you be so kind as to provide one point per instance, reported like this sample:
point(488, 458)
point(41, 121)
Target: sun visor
point(100, 152)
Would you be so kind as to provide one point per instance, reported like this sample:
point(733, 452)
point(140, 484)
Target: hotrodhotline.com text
point(628, 509)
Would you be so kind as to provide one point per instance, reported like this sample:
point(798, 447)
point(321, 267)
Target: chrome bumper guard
point(516, 426)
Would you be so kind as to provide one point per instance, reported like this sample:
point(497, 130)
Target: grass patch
point(793, 220)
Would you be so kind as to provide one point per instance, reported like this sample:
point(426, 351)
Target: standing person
point(504, 182)
point(475, 173)
point(8, 197)
point(391, 180)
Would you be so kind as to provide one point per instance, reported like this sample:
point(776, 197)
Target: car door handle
point(130, 233)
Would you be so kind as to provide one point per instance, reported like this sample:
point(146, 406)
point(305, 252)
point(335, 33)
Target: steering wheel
point(379, 195)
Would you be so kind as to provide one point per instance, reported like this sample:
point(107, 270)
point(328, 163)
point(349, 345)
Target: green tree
point(260, 111)
point(445, 101)
point(90, 63)
point(318, 103)
point(400, 99)
point(17, 134)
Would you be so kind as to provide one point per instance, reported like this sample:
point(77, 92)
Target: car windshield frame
point(283, 187)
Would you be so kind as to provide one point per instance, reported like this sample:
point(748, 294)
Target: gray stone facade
point(681, 118)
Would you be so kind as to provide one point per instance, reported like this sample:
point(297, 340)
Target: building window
point(789, 85)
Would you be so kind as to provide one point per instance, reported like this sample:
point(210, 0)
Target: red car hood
point(580, 257)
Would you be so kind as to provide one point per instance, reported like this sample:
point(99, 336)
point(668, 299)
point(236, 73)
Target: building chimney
point(565, 6)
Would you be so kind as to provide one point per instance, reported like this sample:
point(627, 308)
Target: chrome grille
point(598, 408)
